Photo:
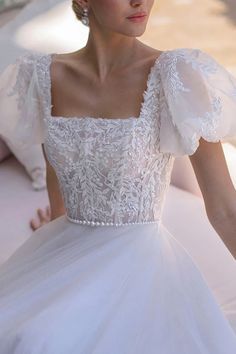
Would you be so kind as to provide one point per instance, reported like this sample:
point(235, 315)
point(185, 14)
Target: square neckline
point(84, 117)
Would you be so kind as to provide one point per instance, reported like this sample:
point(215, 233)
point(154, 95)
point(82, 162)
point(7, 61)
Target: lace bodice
point(110, 171)
point(117, 171)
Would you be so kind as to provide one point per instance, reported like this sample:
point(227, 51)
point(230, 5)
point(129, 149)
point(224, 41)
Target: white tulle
point(76, 289)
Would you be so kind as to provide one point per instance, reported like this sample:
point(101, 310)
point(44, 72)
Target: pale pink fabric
point(4, 150)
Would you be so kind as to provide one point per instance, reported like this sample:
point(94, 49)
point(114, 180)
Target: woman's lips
point(137, 18)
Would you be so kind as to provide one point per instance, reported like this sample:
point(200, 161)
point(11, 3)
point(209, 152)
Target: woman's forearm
point(224, 222)
point(56, 213)
point(55, 199)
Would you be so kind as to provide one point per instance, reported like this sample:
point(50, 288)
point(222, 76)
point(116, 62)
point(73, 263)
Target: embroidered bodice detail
point(109, 171)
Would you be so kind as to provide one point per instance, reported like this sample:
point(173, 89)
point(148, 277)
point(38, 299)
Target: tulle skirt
point(133, 289)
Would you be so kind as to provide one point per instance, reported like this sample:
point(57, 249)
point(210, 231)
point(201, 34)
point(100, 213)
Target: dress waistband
point(101, 223)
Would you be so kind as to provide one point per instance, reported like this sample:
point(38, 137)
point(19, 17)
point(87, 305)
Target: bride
point(105, 275)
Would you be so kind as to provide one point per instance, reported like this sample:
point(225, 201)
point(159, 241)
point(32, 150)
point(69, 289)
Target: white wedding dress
point(108, 277)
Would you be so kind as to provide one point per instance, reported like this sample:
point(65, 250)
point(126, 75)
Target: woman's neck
point(105, 57)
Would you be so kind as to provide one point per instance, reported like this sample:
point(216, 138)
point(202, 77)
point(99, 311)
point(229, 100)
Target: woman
point(105, 275)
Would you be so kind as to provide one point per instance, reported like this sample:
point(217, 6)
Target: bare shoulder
point(149, 53)
point(145, 58)
point(63, 64)
point(154, 52)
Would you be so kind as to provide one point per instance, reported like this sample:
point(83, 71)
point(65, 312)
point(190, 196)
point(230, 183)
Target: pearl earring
point(85, 19)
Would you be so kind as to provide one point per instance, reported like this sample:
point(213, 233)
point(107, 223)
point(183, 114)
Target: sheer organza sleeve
point(21, 109)
point(198, 100)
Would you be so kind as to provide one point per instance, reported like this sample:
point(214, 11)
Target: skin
point(114, 54)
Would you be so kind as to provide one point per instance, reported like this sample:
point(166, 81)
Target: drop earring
point(85, 19)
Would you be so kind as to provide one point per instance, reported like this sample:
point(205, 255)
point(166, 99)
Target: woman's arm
point(218, 191)
point(56, 207)
point(183, 176)
point(54, 193)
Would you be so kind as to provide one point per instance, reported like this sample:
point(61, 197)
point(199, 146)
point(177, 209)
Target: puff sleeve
point(198, 100)
point(21, 108)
